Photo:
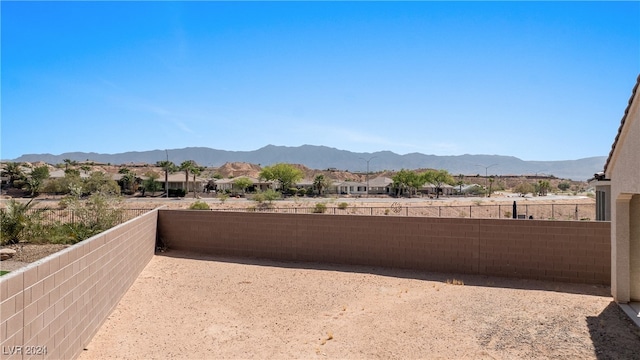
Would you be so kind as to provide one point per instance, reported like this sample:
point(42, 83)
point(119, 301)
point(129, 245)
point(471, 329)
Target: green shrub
point(320, 208)
point(343, 205)
point(302, 192)
point(17, 220)
point(199, 205)
point(271, 195)
point(564, 186)
point(259, 198)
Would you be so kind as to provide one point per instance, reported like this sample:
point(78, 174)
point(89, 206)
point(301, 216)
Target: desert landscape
point(190, 306)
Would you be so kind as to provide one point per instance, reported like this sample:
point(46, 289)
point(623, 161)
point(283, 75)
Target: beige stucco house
point(622, 169)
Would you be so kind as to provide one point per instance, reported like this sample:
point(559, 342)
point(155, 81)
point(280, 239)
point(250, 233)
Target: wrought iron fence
point(524, 211)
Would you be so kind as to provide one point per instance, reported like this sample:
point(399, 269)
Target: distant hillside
point(322, 157)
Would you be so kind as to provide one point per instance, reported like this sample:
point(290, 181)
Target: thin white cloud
point(183, 127)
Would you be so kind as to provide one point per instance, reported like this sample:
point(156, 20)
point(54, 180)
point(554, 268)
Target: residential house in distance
point(178, 181)
point(350, 188)
point(622, 169)
point(432, 189)
point(380, 186)
point(256, 184)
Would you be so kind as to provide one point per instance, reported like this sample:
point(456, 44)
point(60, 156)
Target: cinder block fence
point(568, 251)
point(52, 308)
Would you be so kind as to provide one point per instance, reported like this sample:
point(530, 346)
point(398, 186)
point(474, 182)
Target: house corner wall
point(624, 172)
point(634, 248)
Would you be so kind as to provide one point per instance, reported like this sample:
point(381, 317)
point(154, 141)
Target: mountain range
point(323, 157)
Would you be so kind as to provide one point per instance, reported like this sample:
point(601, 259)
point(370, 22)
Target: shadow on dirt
point(468, 279)
point(611, 332)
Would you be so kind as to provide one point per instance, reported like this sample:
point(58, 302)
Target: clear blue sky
point(536, 80)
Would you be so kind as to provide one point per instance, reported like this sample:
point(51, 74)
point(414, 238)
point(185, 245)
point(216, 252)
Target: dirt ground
point(27, 253)
point(189, 306)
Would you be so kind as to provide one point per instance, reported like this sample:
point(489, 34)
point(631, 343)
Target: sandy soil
point(28, 253)
point(189, 306)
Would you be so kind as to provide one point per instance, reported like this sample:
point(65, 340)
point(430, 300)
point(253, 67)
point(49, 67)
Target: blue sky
point(536, 80)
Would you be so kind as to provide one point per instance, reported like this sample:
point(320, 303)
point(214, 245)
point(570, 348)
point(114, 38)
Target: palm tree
point(128, 180)
point(13, 171)
point(69, 162)
point(320, 183)
point(168, 167)
point(187, 166)
point(16, 218)
point(196, 170)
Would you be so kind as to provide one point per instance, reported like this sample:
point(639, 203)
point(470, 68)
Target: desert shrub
point(302, 192)
point(293, 191)
point(524, 188)
point(56, 186)
point(59, 233)
point(320, 208)
point(259, 198)
point(100, 182)
point(508, 214)
point(92, 216)
point(564, 186)
point(343, 205)
point(199, 205)
point(223, 197)
point(270, 195)
point(18, 220)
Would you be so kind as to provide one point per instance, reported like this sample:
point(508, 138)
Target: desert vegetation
point(73, 220)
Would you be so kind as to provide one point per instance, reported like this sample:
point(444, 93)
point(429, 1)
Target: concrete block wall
point(52, 308)
point(568, 251)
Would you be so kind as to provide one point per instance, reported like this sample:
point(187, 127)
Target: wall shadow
point(469, 279)
point(612, 332)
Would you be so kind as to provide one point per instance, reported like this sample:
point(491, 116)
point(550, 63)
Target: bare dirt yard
point(190, 306)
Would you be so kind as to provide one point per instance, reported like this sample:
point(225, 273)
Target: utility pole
point(166, 175)
point(371, 158)
point(486, 177)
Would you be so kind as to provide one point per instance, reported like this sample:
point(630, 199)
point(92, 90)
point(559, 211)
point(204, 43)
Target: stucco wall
point(551, 250)
point(624, 172)
point(634, 249)
point(60, 302)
